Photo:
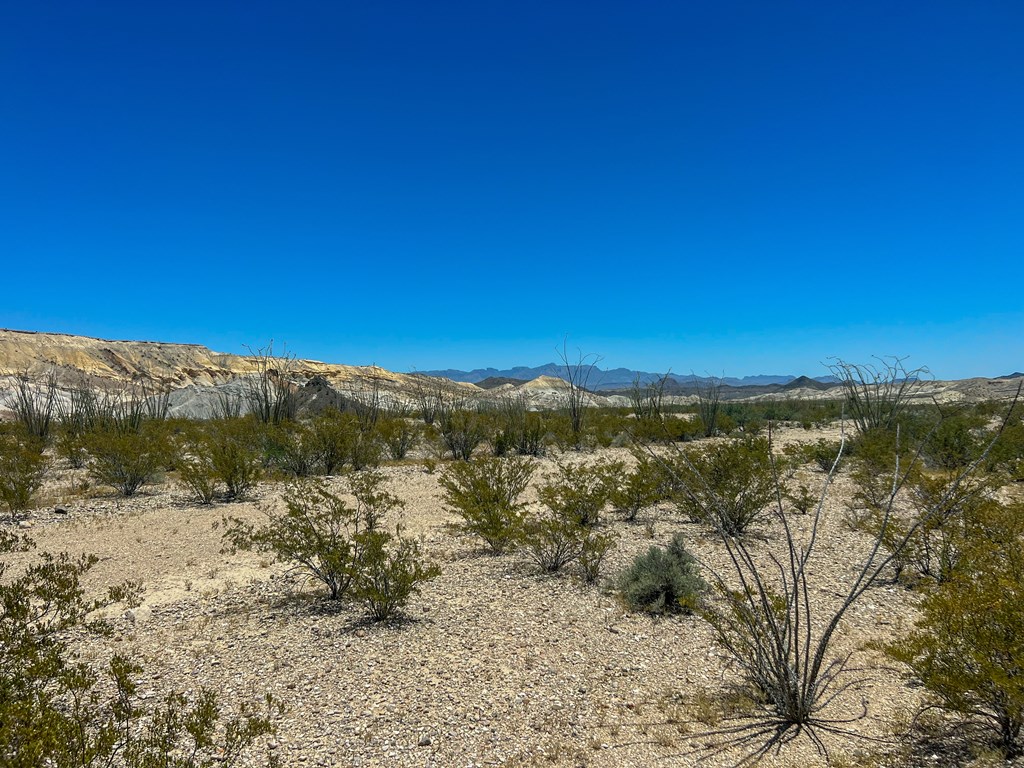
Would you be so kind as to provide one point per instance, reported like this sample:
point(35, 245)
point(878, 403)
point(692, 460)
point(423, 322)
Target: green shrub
point(127, 460)
point(663, 580)
point(295, 448)
point(332, 433)
point(346, 548)
point(530, 439)
point(373, 500)
point(69, 445)
point(56, 710)
point(552, 542)
point(728, 484)
point(235, 451)
point(399, 435)
point(389, 571)
point(800, 496)
point(516, 429)
point(555, 538)
point(485, 493)
point(22, 469)
point(925, 531)
point(317, 530)
point(1008, 452)
point(643, 487)
point(955, 442)
point(365, 449)
point(968, 646)
point(604, 426)
point(578, 492)
point(197, 475)
point(461, 431)
point(822, 453)
point(594, 549)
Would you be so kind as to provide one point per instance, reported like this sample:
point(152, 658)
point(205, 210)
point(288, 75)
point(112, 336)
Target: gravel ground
point(491, 665)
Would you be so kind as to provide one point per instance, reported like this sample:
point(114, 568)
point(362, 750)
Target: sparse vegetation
point(126, 460)
point(233, 447)
point(268, 391)
point(645, 485)
point(877, 393)
point(709, 404)
point(927, 494)
point(577, 377)
point(460, 428)
point(33, 402)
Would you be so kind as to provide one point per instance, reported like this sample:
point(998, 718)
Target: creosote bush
point(389, 571)
point(552, 542)
point(663, 580)
point(822, 453)
point(578, 492)
point(460, 430)
point(22, 469)
point(968, 646)
point(54, 709)
point(127, 459)
point(928, 533)
point(344, 547)
point(486, 493)
point(644, 486)
point(399, 435)
point(728, 484)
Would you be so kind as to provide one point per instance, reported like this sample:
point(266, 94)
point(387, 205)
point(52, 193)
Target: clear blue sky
point(731, 187)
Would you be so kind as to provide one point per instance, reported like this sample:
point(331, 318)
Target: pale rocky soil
point(493, 664)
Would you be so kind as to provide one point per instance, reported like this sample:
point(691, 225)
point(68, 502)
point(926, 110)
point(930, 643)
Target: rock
point(59, 511)
point(425, 741)
point(26, 524)
point(138, 615)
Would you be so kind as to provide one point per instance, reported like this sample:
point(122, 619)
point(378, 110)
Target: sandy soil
point(492, 665)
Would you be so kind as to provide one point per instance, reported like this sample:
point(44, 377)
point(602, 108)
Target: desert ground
point(491, 664)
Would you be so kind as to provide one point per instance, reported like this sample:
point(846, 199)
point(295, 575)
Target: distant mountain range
point(599, 380)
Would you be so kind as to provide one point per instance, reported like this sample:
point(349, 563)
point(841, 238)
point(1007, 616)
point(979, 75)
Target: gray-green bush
point(663, 580)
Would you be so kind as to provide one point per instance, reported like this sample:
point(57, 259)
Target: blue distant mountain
point(614, 378)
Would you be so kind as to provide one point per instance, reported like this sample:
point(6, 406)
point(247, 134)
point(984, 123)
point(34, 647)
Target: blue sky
point(726, 187)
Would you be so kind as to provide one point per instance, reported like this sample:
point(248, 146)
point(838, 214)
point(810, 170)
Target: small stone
point(26, 524)
point(59, 511)
point(140, 614)
point(424, 741)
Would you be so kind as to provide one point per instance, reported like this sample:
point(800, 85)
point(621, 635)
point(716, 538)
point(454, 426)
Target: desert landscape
point(463, 384)
point(498, 658)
